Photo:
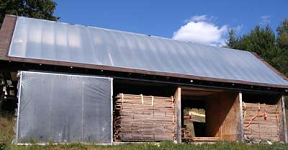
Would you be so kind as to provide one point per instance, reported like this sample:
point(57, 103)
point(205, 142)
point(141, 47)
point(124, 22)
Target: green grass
point(159, 146)
point(7, 124)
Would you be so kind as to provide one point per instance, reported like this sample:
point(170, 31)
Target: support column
point(284, 118)
point(241, 117)
point(177, 96)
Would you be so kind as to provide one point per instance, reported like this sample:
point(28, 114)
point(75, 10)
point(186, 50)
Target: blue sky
point(203, 21)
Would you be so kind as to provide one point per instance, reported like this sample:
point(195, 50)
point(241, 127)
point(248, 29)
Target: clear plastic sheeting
point(64, 108)
point(56, 41)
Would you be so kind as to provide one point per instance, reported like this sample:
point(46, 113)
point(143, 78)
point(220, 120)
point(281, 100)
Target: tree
point(262, 40)
point(282, 42)
point(42, 9)
point(259, 40)
point(232, 41)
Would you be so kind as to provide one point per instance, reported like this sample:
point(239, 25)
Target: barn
point(75, 83)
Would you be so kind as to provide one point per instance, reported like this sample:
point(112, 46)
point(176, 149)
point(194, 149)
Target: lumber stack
point(205, 139)
point(257, 127)
point(144, 118)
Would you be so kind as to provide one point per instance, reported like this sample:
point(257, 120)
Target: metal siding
point(47, 40)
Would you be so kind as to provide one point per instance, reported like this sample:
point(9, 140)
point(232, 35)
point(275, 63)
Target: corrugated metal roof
point(47, 40)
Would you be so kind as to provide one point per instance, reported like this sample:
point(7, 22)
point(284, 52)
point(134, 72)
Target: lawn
point(155, 146)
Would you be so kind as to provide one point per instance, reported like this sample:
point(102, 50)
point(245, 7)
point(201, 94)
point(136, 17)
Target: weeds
point(154, 146)
point(6, 130)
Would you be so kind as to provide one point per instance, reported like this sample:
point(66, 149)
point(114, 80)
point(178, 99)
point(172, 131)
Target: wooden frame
point(253, 109)
point(178, 115)
point(241, 138)
point(284, 118)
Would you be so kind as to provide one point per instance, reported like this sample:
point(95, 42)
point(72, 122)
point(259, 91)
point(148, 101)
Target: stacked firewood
point(144, 118)
point(261, 122)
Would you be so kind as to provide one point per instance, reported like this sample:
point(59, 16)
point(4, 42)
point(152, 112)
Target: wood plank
point(241, 117)
point(205, 139)
point(177, 97)
point(284, 118)
point(260, 128)
point(144, 120)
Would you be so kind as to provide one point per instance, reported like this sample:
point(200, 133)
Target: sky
point(200, 21)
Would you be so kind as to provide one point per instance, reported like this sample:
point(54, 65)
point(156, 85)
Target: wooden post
point(178, 114)
point(284, 118)
point(241, 117)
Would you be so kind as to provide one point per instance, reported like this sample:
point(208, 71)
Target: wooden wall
point(223, 116)
point(273, 126)
point(258, 127)
point(139, 118)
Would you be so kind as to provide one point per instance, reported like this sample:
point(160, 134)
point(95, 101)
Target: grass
point(7, 124)
point(155, 146)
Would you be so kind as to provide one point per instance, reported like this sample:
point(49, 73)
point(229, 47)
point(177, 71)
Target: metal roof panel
point(48, 40)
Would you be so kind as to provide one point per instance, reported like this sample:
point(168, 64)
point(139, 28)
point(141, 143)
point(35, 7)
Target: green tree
point(281, 61)
point(282, 40)
point(42, 9)
point(261, 40)
point(232, 41)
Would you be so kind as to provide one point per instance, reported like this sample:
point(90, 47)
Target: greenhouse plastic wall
point(64, 108)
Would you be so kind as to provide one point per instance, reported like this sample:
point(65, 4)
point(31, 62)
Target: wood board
point(261, 122)
point(139, 118)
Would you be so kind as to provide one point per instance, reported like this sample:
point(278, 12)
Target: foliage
point(281, 61)
point(282, 39)
point(42, 9)
point(263, 41)
point(6, 130)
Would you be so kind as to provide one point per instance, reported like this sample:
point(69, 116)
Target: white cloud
point(199, 18)
point(266, 19)
point(200, 29)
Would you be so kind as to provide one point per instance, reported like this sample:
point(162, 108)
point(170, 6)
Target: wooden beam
point(284, 118)
point(241, 117)
point(112, 110)
point(178, 114)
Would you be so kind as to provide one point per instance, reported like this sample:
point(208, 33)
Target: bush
point(2, 146)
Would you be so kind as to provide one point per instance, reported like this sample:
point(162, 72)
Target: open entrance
point(194, 120)
point(209, 115)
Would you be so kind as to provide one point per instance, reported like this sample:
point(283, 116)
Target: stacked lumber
point(261, 122)
point(144, 118)
point(205, 139)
